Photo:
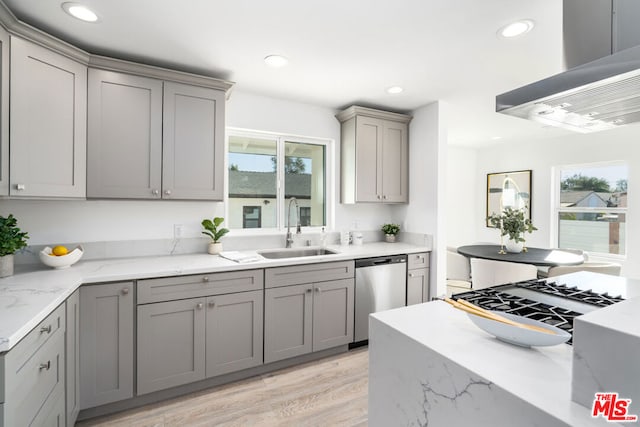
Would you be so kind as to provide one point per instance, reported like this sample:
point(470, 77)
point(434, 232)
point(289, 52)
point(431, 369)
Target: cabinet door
point(287, 322)
point(124, 146)
point(193, 143)
point(72, 391)
point(106, 343)
point(171, 337)
point(48, 123)
point(4, 112)
point(234, 332)
point(395, 163)
point(416, 286)
point(332, 313)
point(369, 134)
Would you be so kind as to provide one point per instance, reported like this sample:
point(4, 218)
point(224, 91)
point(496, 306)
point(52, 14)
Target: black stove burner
point(498, 298)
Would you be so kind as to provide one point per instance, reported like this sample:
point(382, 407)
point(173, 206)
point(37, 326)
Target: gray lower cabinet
point(106, 343)
point(417, 278)
point(234, 332)
point(72, 346)
point(312, 316)
point(198, 326)
point(32, 376)
point(48, 108)
point(171, 344)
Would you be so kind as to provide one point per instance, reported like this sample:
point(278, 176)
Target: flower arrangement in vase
point(512, 223)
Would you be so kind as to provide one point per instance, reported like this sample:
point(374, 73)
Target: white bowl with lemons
point(60, 257)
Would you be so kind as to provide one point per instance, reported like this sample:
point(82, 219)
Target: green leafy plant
point(212, 229)
point(391, 229)
point(513, 223)
point(12, 238)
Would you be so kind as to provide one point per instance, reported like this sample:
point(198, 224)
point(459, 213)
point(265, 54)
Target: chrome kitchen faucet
point(298, 231)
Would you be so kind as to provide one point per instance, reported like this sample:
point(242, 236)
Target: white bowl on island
point(62, 261)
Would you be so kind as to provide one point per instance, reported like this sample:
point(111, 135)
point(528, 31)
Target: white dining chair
point(458, 272)
point(610, 268)
point(485, 273)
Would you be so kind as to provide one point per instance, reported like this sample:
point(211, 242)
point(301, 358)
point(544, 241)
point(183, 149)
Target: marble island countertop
point(430, 365)
point(28, 296)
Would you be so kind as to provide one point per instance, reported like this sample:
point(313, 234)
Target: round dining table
point(535, 256)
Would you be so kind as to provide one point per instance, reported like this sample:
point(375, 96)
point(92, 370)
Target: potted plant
point(215, 233)
point(512, 223)
point(12, 239)
point(390, 231)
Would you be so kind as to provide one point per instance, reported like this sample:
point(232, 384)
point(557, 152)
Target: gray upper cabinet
point(193, 143)
point(124, 144)
point(374, 156)
point(106, 343)
point(48, 108)
point(4, 112)
point(154, 139)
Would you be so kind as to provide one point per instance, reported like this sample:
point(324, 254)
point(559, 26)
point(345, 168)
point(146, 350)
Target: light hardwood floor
point(327, 392)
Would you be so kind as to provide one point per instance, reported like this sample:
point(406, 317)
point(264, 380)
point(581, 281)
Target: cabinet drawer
point(32, 384)
point(199, 285)
point(420, 260)
point(26, 348)
point(308, 273)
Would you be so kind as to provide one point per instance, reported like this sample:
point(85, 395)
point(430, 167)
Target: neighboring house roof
point(578, 198)
point(263, 185)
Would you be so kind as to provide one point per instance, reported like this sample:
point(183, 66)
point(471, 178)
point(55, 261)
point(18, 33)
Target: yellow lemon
point(59, 251)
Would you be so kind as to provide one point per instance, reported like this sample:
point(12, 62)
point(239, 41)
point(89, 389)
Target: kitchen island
point(430, 365)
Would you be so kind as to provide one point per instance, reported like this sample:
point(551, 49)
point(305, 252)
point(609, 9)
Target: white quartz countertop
point(26, 298)
point(538, 375)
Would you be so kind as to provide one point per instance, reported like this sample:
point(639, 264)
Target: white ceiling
point(341, 52)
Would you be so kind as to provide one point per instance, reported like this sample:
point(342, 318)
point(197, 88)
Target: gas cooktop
point(549, 302)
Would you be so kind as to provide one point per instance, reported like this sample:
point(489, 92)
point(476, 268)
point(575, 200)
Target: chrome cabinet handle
point(318, 290)
point(155, 192)
point(212, 304)
point(410, 274)
point(309, 290)
point(45, 366)
point(205, 279)
point(378, 197)
point(384, 197)
point(46, 329)
point(199, 306)
point(125, 291)
point(20, 187)
point(167, 192)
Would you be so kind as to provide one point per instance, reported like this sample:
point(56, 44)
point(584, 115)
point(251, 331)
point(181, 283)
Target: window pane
point(252, 182)
point(304, 168)
point(594, 187)
point(600, 232)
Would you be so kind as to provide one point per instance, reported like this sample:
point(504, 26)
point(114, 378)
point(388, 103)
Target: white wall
point(541, 156)
point(461, 197)
point(89, 221)
point(426, 211)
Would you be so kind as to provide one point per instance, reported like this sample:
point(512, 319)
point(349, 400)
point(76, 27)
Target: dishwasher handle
point(372, 262)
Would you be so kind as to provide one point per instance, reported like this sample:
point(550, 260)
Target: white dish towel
point(241, 257)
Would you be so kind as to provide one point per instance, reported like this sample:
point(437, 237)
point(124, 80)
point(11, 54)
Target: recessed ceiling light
point(80, 12)
point(276, 61)
point(516, 29)
point(394, 89)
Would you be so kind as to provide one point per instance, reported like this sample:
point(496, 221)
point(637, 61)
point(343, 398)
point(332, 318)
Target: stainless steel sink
point(295, 252)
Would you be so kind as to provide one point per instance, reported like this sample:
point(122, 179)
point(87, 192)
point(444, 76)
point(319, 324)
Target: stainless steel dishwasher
point(381, 284)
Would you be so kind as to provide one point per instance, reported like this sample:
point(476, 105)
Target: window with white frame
point(266, 170)
point(591, 207)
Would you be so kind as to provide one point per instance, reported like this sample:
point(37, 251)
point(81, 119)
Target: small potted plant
point(12, 239)
point(215, 233)
point(512, 223)
point(390, 231)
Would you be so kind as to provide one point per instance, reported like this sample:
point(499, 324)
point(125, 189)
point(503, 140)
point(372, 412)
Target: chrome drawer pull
point(46, 366)
point(205, 279)
point(318, 290)
point(46, 329)
point(125, 291)
point(212, 304)
point(199, 306)
point(309, 290)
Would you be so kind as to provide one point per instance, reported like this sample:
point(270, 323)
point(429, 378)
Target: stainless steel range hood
point(594, 94)
point(599, 95)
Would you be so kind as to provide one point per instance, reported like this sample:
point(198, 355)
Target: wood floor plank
point(328, 392)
